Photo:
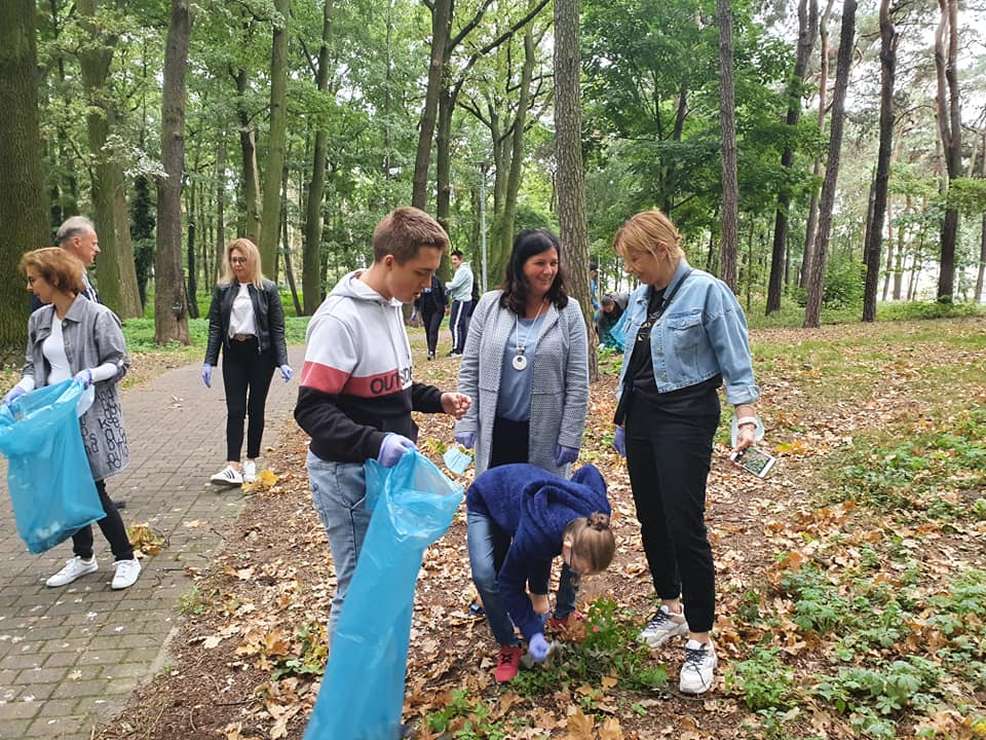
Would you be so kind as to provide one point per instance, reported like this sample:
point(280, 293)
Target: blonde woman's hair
point(649, 231)
point(592, 541)
point(62, 270)
point(249, 250)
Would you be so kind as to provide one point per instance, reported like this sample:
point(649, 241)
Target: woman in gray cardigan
point(73, 337)
point(525, 367)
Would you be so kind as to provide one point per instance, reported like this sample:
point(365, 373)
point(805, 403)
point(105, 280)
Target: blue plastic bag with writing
point(362, 694)
point(48, 475)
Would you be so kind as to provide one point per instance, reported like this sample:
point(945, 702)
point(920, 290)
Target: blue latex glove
point(207, 375)
point(537, 646)
point(13, 394)
point(619, 442)
point(83, 378)
point(286, 372)
point(466, 439)
point(393, 448)
point(565, 455)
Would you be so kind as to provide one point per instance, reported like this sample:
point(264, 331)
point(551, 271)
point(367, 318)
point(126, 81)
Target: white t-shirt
point(241, 319)
point(53, 349)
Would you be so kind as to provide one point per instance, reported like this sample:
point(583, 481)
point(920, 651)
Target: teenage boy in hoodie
point(356, 394)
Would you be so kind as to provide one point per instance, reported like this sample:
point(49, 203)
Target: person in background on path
point(357, 393)
point(77, 236)
point(430, 306)
point(519, 519)
point(460, 293)
point(526, 369)
point(246, 319)
point(607, 318)
point(686, 335)
point(74, 337)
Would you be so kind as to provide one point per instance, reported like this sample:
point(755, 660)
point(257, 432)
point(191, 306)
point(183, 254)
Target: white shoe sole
point(225, 482)
point(59, 584)
point(699, 692)
point(655, 641)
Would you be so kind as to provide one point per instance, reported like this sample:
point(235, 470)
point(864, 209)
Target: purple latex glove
point(207, 375)
point(83, 378)
point(619, 442)
point(13, 394)
point(286, 372)
point(393, 448)
point(565, 455)
point(466, 439)
point(537, 646)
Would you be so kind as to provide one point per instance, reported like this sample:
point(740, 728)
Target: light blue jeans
point(339, 494)
point(488, 545)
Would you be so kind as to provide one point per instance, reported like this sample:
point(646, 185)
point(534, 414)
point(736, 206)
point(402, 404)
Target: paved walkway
point(69, 657)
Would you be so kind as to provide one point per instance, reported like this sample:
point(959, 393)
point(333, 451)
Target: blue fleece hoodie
point(533, 506)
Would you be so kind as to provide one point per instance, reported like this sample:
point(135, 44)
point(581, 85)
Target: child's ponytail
point(592, 541)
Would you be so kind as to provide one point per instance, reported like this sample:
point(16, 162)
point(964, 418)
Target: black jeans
point(510, 442)
point(110, 525)
point(668, 458)
point(432, 322)
point(244, 368)
point(459, 324)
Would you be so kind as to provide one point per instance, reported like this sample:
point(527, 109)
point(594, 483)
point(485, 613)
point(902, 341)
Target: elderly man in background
point(77, 236)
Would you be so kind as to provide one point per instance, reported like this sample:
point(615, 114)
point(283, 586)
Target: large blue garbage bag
point(362, 692)
point(48, 475)
point(617, 334)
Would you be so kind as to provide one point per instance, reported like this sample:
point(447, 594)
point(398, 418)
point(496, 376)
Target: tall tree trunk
point(115, 269)
point(727, 119)
point(270, 222)
point(286, 246)
point(22, 196)
point(890, 252)
point(441, 24)
point(888, 65)
point(193, 229)
point(310, 282)
point(950, 130)
point(899, 259)
point(811, 225)
point(982, 237)
point(142, 233)
point(807, 31)
point(251, 175)
point(220, 245)
point(816, 282)
point(170, 302)
point(568, 155)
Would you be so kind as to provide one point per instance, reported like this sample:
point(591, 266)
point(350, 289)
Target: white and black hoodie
point(356, 383)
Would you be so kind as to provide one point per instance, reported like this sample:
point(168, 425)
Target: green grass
point(139, 333)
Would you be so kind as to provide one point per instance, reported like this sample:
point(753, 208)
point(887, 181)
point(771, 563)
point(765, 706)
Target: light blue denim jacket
point(701, 334)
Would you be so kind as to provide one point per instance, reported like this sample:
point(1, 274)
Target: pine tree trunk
point(816, 282)
point(807, 31)
point(727, 119)
point(982, 237)
point(568, 154)
point(22, 195)
point(170, 302)
point(193, 229)
point(251, 176)
point(950, 130)
point(270, 222)
point(220, 244)
point(881, 184)
point(310, 282)
point(286, 246)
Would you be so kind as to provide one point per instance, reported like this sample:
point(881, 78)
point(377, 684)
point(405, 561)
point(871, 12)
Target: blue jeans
point(339, 493)
point(488, 545)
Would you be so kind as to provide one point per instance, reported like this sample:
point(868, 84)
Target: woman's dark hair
point(528, 243)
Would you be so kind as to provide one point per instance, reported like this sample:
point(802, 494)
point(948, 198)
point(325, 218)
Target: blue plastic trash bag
point(49, 478)
point(617, 334)
point(362, 694)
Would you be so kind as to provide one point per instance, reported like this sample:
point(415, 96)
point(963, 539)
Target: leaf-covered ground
point(852, 582)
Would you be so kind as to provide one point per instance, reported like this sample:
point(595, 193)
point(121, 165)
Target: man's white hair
point(74, 226)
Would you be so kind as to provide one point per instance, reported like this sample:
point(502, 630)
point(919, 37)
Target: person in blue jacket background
point(520, 517)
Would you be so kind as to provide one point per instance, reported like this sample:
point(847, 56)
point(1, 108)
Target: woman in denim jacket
point(686, 337)
point(73, 337)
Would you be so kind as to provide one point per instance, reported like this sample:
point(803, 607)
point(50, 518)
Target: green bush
point(762, 680)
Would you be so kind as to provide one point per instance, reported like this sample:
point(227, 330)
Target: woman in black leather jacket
point(246, 319)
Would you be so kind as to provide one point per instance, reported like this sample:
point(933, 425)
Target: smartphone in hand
point(754, 460)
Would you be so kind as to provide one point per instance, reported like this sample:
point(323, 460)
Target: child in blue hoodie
point(520, 517)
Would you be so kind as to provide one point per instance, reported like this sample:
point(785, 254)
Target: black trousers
point(245, 369)
point(511, 442)
point(432, 322)
point(110, 525)
point(668, 458)
point(459, 324)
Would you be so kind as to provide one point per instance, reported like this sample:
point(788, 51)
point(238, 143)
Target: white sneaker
point(698, 671)
point(228, 476)
point(74, 568)
point(250, 471)
point(664, 625)
point(126, 573)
